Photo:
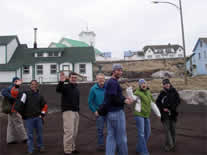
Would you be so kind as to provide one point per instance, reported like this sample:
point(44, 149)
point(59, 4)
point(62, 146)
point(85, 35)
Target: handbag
point(6, 105)
point(130, 94)
point(155, 109)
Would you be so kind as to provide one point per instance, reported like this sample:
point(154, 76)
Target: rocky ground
point(191, 130)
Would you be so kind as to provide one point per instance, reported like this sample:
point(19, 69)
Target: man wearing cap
point(167, 102)
point(113, 108)
point(15, 129)
point(144, 97)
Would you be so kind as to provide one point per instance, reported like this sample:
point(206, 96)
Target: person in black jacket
point(32, 106)
point(167, 102)
point(70, 97)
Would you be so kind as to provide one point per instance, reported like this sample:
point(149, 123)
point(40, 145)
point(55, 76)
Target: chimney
point(35, 37)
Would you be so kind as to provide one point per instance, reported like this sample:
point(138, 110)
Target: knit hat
point(141, 81)
point(116, 67)
point(165, 81)
point(14, 79)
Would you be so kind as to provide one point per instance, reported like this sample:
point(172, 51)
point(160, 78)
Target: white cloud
point(119, 24)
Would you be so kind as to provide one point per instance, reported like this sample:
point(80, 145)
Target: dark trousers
point(170, 133)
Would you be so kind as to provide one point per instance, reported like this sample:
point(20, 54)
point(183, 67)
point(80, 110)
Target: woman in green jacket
point(142, 113)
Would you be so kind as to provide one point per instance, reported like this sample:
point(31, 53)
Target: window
point(26, 69)
point(205, 54)
point(180, 55)
point(53, 69)
point(199, 55)
point(39, 54)
point(50, 54)
point(39, 69)
point(157, 56)
point(171, 55)
point(56, 54)
point(53, 54)
point(201, 43)
point(149, 56)
point(82, 68)
point(66, 67)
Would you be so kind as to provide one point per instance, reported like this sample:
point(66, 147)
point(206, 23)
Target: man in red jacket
point(15, 129)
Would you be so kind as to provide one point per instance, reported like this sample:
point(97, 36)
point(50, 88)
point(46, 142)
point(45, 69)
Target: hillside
point(143, 68)
point(194, 83)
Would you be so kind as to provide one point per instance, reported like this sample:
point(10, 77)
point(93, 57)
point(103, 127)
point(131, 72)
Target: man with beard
point(15, 129)
point(113, 108)
point(167, 102)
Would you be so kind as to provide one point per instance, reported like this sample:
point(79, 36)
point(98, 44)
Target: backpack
point(6, 105)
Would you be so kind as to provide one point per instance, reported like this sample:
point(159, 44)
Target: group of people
point(105, 100)
point(30, 106)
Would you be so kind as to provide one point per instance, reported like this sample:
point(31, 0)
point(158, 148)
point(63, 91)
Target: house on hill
point(156, 52)
point(130, 55)
point(198, 65)
point(42, 64)
point(163, 51)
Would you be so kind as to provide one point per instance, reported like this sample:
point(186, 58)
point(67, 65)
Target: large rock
point(195, 97)
point(163, 74)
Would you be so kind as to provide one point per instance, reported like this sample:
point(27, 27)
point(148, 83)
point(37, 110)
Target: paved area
point(191, 131)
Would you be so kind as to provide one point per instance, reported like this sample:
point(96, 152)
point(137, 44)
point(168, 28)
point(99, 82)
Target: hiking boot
point(42, 150)
point(75, 152)
point(100, 148)
point(13, 142)
point(24, 141)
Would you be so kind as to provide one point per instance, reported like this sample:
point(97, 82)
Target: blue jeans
point(143, 130)
point(100, 128)
point(31, 124)
point(116, 133)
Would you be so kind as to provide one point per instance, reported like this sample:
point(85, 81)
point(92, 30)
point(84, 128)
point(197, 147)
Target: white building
point(156, 52)
point(42, 64)
point(86, 39)
point(163, 51)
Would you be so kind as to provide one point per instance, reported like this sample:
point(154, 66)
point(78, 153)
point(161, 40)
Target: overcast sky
point(119, 25)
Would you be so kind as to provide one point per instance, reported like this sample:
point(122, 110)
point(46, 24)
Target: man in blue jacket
point(95, 99)
point(113, 108)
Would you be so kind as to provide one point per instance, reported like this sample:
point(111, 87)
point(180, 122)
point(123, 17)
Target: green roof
point(25, 56)
point(4, 40)
point(97, 51)
point(75, 43)
point(58, 45)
